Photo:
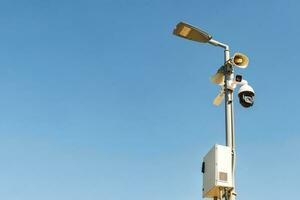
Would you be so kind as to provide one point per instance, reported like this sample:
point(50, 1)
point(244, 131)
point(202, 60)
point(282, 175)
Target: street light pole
point(229, 117)
point(226, 79)
point(229, 111)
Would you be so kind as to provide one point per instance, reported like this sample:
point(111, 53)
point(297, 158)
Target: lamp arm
point(218, 44)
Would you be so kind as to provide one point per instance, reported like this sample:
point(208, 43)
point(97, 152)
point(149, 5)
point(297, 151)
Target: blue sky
point(100, 101)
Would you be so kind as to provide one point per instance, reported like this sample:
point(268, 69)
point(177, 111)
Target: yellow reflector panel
point(185, 31)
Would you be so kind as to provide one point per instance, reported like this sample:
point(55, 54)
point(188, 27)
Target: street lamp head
point(190, 32)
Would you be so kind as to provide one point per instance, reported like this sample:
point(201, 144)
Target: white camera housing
point(246, 88)
point(246, 95)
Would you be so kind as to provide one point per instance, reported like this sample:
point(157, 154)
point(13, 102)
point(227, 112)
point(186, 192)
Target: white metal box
point(216, 170)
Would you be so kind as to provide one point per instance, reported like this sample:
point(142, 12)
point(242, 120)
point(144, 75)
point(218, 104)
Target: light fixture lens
point(185, 31)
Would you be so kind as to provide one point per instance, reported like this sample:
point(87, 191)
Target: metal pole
point(229, 116)
point(228, 99)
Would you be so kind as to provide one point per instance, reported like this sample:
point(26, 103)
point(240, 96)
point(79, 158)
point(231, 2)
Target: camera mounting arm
point(233, 83)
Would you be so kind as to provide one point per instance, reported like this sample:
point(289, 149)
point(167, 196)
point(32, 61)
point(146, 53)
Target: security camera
point(246, 95)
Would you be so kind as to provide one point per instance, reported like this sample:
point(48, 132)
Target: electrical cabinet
point(217, 173)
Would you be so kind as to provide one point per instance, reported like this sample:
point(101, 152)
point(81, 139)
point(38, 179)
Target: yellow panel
point(185, 31)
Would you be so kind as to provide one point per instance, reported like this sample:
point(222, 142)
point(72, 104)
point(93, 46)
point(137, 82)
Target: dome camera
point(246, 95)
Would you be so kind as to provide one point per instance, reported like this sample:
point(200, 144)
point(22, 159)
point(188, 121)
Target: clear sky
point(99, 101)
